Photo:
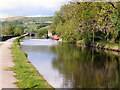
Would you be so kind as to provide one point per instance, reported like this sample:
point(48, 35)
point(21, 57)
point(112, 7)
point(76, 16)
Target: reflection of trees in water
point(36, 49)
point(86, 67)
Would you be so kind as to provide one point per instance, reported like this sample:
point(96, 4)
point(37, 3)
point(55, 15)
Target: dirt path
point(6, 77)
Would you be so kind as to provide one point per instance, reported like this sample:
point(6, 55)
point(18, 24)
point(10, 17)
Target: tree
point(80, 20)
point(10, 29)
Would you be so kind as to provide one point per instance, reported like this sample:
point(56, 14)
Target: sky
point(29, 8)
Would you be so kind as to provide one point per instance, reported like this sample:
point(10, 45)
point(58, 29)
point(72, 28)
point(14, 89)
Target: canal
point(66, 65)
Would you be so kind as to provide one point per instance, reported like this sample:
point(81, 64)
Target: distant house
point(49, 33)
point(48, 21)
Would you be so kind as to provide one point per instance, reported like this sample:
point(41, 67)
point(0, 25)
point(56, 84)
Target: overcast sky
point(31, 8)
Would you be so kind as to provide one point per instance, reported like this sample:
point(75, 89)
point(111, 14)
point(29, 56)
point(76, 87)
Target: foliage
point(86, 41)
point(9, 29)
point(19, 30)
point(42, 31)
point(94, 20)
point(42, 25)
point(29, 24)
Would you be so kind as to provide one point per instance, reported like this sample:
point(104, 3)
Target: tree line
point(88, 22)
point(10, 29)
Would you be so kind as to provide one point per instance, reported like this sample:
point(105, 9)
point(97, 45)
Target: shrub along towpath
point(6, 77)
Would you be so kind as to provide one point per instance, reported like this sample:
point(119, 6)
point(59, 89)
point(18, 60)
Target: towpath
point(6, 77)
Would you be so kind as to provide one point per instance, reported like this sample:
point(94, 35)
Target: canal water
point(66, 65)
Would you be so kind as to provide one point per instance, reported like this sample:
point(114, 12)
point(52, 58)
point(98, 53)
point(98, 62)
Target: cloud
point(29, 7)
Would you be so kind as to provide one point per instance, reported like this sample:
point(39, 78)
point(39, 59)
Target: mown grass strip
point(26, 73)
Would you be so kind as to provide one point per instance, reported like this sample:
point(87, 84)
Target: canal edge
point(44, 83)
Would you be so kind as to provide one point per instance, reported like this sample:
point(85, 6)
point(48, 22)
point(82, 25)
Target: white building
point(49, 33)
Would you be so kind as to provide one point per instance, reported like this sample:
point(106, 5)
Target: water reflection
point(68, 65)
point(86, 67)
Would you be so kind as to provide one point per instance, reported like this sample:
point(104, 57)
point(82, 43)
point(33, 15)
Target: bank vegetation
point(89, 23)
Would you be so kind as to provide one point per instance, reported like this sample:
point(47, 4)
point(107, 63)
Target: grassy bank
point(26, 73)
point(107, 46)
point(103, 45)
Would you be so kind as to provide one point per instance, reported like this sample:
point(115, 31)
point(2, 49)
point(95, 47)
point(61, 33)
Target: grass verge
point(26, 73)
point(103, 45)
point(107, 45)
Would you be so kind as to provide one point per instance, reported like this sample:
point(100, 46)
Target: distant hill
point(29, 23)
point(28, 19)
point(12, 18)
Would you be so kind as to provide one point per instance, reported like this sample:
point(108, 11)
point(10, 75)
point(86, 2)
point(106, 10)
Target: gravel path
point(6, 77)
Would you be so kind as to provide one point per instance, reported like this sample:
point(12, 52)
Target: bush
point(42, 31)
point(86, 41)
